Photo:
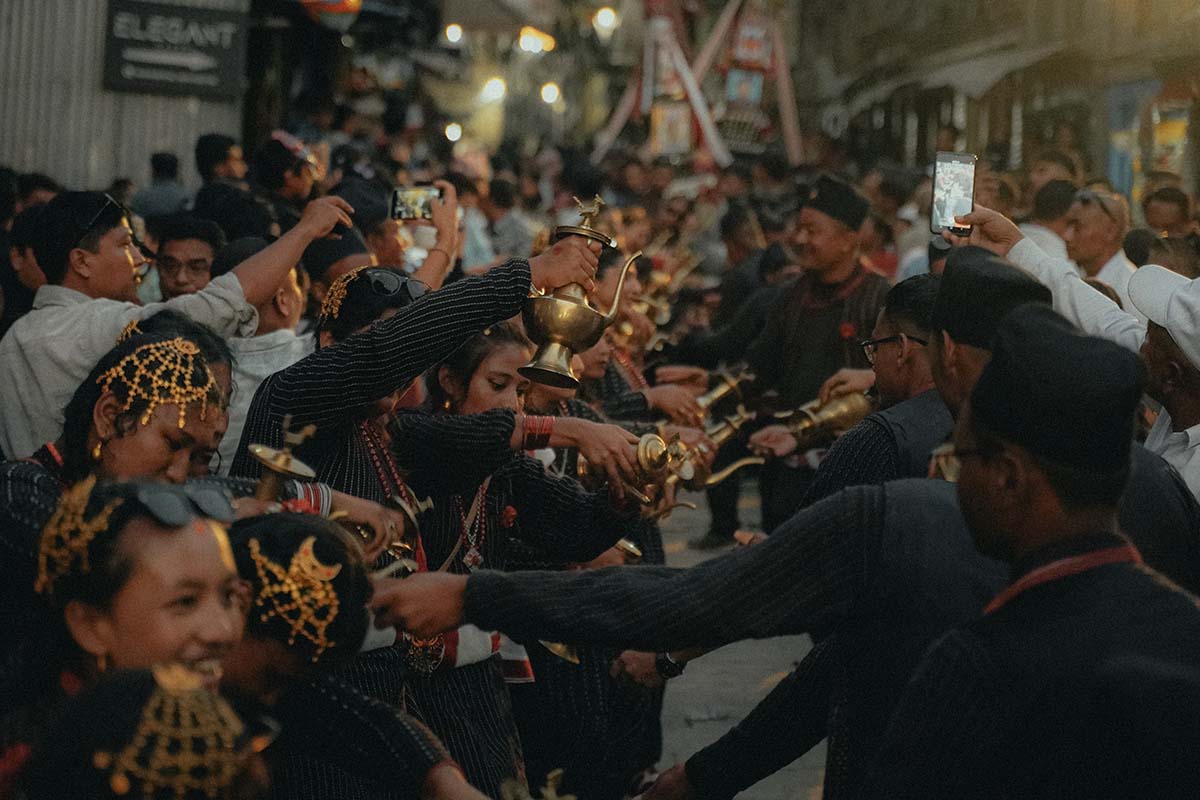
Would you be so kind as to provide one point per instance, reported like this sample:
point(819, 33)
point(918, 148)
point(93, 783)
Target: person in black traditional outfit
point(379, 332)
point(875, 573)
point(470, 527)
point(997, 708)
point(896, 441)
point(811, 332)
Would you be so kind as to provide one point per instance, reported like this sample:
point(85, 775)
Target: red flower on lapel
point(508, 517)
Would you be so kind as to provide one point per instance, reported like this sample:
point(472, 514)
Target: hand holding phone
point(953, 192)
point(413, 202)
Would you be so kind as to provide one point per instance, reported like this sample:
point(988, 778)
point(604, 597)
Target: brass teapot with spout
point(814, 424)
point(562, 323)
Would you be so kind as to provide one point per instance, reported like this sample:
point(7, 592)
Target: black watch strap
point(668, 667)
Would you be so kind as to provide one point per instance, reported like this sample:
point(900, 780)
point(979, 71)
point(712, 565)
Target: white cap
point(1169, 299)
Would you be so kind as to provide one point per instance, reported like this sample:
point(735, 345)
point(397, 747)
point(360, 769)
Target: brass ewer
point(562, 323)
point(814, 424)
point(280, 465)
point(727, 383)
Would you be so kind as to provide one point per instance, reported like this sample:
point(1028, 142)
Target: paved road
point(719, 689)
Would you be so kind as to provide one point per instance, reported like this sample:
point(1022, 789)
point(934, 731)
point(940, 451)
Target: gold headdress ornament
point(186, 741)
point(331, 306)
point(302, 595)
point(129, 331)
point(161, 374)
point(63, 547)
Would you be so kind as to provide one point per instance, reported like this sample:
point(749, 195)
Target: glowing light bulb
point(454, 33)
point(605, 19)
point(550, 93)
point(454, 131)
point(493, 90)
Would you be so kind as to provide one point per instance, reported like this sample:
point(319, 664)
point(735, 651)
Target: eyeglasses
point(176, 506)
point(869, 346)
point(387, 283)
point(1089, 196)
point(111, 202)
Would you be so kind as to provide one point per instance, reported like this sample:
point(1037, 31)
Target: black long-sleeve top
point(729, 342)
point(864, 454)
point(877, 572)
point(335, 387)
point(997, 707)
point(617, 398)
point(376, 743)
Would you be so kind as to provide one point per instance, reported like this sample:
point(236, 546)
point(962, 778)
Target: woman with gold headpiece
point(153, 733)
point(127, 575)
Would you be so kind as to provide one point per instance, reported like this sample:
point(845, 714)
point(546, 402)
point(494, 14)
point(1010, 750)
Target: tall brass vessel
point(562, 323)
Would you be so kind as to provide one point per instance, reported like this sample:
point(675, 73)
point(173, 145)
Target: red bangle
point(536, 432)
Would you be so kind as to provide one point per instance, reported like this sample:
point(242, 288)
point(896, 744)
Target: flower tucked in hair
point(164, 373)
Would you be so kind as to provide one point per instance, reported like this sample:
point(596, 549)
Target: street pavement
point(716, 691)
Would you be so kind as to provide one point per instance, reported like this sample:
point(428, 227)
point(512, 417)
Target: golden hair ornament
point(161, 373)
point(63, 548)
point(301, 595)
point(129, 331)
point(331, 306)
point(187, 740)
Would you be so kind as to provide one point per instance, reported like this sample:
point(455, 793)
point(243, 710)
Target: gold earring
point(446, 404)
point(97, 450)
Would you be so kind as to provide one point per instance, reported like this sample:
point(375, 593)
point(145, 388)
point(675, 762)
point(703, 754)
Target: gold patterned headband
point(331, 306)
point(187, 740)
point(161, 374)
point(63, 547)
point(302, 595)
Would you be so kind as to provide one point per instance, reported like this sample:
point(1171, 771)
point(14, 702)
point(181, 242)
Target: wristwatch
point(668, 667)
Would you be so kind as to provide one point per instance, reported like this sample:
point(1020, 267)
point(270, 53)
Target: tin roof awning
point(497, 15)
point(974, 76)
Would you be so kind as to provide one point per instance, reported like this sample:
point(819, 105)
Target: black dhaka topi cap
point(1065, 396)
point(978, 289)
point(839, 200)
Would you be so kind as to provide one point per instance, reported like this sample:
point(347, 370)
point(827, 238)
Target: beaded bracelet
point(536, 432)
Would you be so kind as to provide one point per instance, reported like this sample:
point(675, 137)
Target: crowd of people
point(283, 516)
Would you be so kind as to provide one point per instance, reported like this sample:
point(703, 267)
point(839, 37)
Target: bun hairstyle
point(464, 361)
point(308, 583)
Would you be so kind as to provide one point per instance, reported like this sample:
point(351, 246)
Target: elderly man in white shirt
point(1169, 342)
point(85, 246)
point(1095, 233)
point(1048, 222)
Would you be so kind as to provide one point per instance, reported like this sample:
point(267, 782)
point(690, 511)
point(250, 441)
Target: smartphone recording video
point(413, 202)
point(953, 192)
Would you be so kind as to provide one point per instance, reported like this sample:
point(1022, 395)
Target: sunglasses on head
point(388, 283)
point(1089, 196)
point(176, 506)
point(112, 202)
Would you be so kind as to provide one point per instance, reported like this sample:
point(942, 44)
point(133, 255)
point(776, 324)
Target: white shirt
point(256, 358)
point(1116, 272)
point(1096, 315)
point(1179, 449)
point(1051, 243)
point(48, 352)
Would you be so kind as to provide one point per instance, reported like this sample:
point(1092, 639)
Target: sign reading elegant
point(152, 48)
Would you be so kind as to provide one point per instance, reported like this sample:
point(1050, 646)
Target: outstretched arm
point(806, 576)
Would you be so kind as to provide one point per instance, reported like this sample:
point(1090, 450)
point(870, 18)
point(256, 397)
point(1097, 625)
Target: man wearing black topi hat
point(814, 328)
point(996, 706)
point(875, 573)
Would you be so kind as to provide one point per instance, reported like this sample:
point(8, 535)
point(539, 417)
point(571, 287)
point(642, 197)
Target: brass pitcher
point(728, 383)
point(562, 324)
point(813, 424)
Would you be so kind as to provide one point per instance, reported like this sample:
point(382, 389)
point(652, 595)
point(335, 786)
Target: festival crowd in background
point(977, 456)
